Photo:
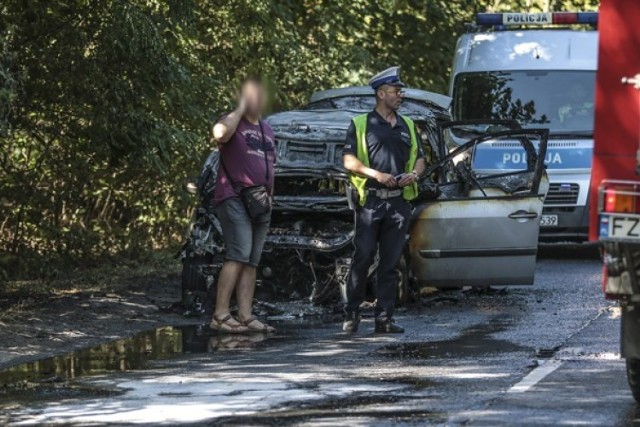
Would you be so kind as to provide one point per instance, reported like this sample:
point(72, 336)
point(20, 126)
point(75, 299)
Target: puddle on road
point(416, 383)
point(475, 341)
point(123, 355)
point(52, 379)
point(360, 409)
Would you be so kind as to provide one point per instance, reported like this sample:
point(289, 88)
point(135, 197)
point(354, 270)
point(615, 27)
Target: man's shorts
point(244, 238)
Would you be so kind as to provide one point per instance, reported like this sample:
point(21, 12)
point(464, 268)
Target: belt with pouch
point(384, 193)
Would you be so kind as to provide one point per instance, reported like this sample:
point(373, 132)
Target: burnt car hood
point(311, 140)
point(296, 121)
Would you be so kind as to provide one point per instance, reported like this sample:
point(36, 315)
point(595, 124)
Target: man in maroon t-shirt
point(247, 155)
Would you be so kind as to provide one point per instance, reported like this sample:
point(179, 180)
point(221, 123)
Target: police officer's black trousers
point(379, 223)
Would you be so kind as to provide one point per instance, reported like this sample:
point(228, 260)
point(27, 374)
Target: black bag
point(256, 199)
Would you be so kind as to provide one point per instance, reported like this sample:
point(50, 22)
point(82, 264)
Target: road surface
point(542, 355)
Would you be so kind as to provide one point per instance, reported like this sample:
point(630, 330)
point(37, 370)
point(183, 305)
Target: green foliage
point(105, 105)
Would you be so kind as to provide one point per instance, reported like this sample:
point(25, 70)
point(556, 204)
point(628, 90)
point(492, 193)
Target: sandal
point(227, 342)
point(254, 325)
point(223, 325)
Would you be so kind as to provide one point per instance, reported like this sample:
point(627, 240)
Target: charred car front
point(309, 243)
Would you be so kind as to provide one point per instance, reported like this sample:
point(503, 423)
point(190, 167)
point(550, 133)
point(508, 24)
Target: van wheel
point(633, 375)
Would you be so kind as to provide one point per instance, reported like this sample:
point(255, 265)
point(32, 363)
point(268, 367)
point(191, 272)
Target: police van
point(505, 68)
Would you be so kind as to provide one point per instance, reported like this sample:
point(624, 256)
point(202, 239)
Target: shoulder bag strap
point(264, 150)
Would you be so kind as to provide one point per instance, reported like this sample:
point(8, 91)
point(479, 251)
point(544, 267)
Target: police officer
point(384, 160)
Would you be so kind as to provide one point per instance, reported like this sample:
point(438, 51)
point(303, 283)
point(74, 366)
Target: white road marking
point(535, 376)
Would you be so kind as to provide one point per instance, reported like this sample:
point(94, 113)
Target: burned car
point(466, 229)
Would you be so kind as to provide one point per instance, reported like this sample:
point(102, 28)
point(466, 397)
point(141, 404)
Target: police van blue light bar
point(546, 18)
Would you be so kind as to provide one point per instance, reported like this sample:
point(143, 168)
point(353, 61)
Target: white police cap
point(390, 76)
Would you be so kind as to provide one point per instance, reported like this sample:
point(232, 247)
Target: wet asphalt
point(541, 355)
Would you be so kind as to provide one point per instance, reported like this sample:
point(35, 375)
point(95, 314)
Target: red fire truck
point(615, 183)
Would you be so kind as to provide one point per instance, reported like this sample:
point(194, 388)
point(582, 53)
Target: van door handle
point(523, 215)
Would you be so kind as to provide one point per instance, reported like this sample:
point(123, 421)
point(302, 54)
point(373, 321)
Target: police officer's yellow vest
point(409, 192)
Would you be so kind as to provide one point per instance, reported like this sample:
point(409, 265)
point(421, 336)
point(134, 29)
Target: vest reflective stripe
point(409, 192)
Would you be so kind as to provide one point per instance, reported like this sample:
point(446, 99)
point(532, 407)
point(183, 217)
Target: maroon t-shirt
point(243, 157)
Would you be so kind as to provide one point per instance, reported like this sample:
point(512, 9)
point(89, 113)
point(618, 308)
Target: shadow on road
point(569, 251)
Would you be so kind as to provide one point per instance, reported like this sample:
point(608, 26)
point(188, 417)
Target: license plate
point(549, 221)
point(620, 227)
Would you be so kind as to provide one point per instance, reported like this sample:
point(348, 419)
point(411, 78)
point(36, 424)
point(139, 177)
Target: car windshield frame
point(535, 161)
point(350, 102)
point(562, 100)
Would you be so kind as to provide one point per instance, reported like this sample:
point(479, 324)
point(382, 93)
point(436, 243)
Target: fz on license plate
point(620, 227)
point(549, 220)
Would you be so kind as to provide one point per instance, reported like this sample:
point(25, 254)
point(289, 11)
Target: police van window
point(559, 100)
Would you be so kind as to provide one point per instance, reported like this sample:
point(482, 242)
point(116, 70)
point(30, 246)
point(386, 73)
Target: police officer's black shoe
point(386, 325)
point(351, 321)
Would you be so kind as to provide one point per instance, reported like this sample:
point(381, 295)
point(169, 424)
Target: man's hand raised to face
point(223, 130)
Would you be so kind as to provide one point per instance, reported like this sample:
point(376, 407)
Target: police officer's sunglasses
point(397, 92)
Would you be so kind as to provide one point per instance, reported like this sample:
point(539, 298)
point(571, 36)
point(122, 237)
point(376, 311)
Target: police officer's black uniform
point(384, 219)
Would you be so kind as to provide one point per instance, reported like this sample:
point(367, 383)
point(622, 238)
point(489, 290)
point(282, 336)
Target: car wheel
point(633, 375)
point(404, 282)
point(194, 282)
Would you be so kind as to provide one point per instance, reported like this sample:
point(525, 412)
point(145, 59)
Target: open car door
point(482, 230)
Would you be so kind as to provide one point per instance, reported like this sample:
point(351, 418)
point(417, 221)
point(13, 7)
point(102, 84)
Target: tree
point(105, 105)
